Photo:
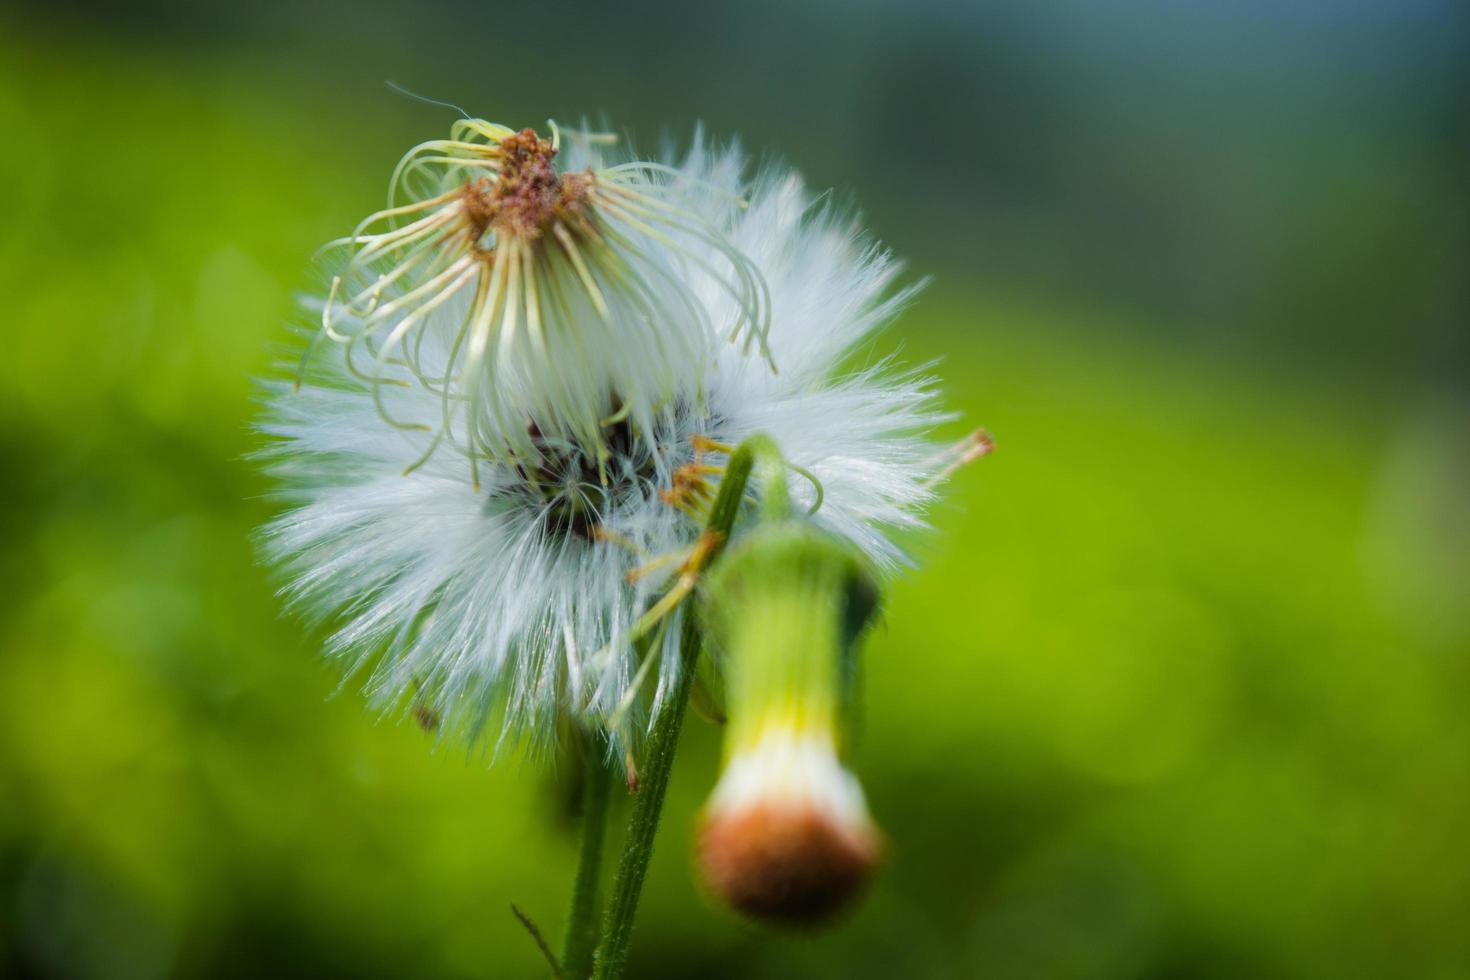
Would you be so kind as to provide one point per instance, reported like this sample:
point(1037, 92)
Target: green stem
point(757, 452)
point(617, 929)
point(581, 939)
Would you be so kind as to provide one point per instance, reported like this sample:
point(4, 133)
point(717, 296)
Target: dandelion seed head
point(497, 447)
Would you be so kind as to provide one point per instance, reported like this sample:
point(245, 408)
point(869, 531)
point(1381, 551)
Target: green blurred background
point(1182, 688)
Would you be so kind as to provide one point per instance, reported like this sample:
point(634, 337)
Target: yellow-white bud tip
point(786, 836)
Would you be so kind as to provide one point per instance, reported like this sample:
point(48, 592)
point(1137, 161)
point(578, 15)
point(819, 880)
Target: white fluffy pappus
point(511, 601)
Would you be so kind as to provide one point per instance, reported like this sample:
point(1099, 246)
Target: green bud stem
point(782, 606)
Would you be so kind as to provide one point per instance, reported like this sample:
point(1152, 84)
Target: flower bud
point(786, 836)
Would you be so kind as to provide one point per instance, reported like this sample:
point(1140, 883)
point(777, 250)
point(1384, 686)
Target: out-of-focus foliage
point(1182, 689)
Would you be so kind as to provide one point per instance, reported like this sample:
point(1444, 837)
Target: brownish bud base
point(793, 866)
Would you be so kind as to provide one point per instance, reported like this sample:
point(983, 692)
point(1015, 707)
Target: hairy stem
point(759, 452)
point(581, 938)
